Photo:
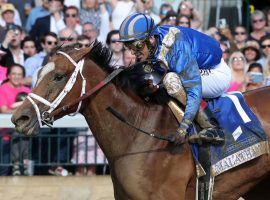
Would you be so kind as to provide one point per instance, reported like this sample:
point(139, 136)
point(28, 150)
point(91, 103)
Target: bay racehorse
point(141, 167)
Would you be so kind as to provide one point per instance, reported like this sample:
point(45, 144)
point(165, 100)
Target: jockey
point(193, 60)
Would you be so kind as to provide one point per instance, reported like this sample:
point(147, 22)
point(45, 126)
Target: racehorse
point(141, 167)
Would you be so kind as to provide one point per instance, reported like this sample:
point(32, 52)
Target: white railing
point(77, 121)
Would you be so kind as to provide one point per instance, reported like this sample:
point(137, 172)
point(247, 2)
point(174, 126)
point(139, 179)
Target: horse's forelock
point(44, 71)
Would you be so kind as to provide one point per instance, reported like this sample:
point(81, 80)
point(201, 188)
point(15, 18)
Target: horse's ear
point(80, 53)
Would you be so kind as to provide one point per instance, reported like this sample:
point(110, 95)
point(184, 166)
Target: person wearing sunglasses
point(265, 47)
point(240, 36)
point(50, 23)
point(34, 63)
point(116, 48)
point(258, 24)
point(194, 63)
point(72, 20)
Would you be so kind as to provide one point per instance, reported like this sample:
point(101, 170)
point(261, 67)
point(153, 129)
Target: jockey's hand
point(151, 85)
point(181, 134)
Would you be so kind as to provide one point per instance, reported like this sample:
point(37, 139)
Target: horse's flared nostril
point(20, 120)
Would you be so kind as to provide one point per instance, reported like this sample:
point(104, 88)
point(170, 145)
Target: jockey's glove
point(181, 132)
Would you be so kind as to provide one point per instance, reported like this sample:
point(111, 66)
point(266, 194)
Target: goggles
point(135, 45)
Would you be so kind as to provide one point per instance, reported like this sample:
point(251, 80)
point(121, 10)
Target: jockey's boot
point(211, 133)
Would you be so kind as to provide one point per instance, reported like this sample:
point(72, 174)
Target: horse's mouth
point(29, 129)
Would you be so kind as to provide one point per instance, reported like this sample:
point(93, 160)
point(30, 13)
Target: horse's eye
point(58, 77)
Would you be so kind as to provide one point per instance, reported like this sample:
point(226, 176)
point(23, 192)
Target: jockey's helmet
point(136, 26)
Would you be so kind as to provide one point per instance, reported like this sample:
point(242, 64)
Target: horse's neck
point(114, 136)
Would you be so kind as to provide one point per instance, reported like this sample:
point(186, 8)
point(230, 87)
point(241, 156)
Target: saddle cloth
point(245, 138)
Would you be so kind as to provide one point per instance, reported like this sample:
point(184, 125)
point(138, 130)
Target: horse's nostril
point(22, 119)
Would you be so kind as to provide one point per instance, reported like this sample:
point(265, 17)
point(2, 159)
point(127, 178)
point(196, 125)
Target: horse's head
point(62, 74)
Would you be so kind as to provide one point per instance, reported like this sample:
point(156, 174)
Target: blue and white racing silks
point(186, 51)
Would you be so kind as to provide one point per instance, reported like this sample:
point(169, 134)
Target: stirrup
point(211, 135)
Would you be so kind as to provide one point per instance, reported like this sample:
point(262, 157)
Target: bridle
point(47, 117)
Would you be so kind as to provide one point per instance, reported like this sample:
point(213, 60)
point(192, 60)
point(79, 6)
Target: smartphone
point(222, 23)
point(256, 77)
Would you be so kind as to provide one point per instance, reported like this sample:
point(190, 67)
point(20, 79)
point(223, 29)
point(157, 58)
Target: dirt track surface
point(56, 188)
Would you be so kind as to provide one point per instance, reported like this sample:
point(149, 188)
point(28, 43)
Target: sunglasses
point(163, 12)
point(239, 33)
point(114, 41)
point(69, 39)
point(183, 22)
point(136, 46)
point(234, 59)
point(265, 46)
point(51, 42)
point(83, 45)
point(259, 20)
point(70, 15)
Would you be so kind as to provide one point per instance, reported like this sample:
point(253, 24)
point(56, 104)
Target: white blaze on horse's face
point(45, 70)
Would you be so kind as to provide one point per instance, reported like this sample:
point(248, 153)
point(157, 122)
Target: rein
point(121, 118)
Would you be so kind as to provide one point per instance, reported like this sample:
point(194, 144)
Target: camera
point(222, 23)
point(256, 77)
point(14, 28)
point(11, 27)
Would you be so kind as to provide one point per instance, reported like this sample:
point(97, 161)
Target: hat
point(169, 16)
point(253, 45)
point(7, 7)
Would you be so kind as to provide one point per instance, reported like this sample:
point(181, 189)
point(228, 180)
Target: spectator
point(267, 71)
point(186, 8)
point(3, 69)
point(254, 77)
point(265, 47)
point(51, 23)
point(170, 19)
point(9, 90)
point(147, 8)
point(29, 47)
point(116, 47)
point(240, 36)
point(214, 32)
point(90, 13)
point(95, 12)
point(72, 19)
point(24, 8)
point(120, 10)
point(19, 146)
point(237, 62)
point(83, 41)
point(11, 87)
point(37, 12)
point(9, 7)
point(34, 63)
point(12, 46)
point(90, 31)
point(129, 58)
point(164, 9)
point(258, 26)
point(251, 51)
point(267, 14)
point(225, 51)
point(183, 20)
point(67, 36)
point(86, 151)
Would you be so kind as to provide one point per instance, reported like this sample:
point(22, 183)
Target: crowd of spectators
point(29, 33)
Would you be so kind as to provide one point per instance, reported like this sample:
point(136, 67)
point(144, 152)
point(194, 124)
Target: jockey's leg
point(210, 132)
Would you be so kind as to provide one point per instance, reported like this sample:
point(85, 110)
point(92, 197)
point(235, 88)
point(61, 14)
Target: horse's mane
point(99, 54)
point(128, 79)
